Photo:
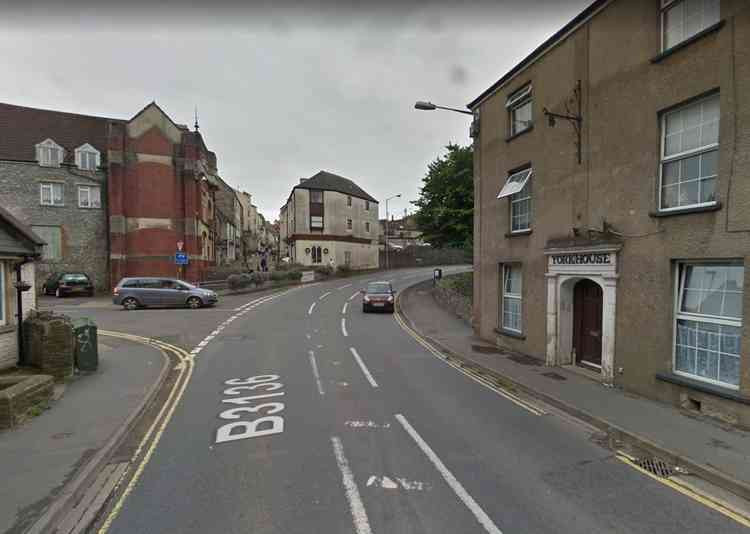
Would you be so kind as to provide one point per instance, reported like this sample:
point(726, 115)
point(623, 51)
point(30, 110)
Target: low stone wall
point(21, 396)
point(50, 344)
point(453, 301)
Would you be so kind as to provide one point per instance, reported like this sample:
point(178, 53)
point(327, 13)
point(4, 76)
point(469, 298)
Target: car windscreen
point(75, 278)
point(378, 288)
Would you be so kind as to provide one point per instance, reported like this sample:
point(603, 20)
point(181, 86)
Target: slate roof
point(332, 182)
point(16, 238)
point(22, 128)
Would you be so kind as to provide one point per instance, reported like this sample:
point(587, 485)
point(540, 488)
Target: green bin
point(87, 348)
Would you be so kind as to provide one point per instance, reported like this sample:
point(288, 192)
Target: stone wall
point(8, 347)
point(49, 344)
point(454, 301)
point(83, 230)
point(21, 395)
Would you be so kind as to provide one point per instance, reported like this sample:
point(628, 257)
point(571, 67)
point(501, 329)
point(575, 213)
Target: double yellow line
point(473, 375)
point(150, 440)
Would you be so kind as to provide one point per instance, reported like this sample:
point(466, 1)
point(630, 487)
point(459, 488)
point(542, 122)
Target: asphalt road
point(368, 432)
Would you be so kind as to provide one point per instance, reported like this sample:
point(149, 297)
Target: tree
point(445, 205)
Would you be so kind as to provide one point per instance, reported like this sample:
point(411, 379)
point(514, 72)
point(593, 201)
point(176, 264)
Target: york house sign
point(601, 258)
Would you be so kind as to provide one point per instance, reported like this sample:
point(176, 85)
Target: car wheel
point(130, 304)
point(194, 303)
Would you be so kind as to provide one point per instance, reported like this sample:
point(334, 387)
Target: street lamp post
point(387, 262)
point(429, 106)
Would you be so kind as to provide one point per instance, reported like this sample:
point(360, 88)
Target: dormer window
point(49, 153)
point(87, 157)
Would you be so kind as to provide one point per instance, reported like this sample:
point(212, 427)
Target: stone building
point(110, 197)
point(53, 178)
point(330, 219)
point(19, 248)
point(612, 209)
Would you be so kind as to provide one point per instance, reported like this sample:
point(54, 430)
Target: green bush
point(239, 281)
point(344, 270)
point(324, 270)
point(258, 278)
point(277, 276)
point(290, 266)
point(294, 275)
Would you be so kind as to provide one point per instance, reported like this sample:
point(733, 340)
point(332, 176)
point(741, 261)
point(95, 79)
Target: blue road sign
point(181, 258)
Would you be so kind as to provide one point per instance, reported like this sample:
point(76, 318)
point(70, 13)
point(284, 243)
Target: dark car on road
point(68, 284)
point(147, 292)
point(378, 296)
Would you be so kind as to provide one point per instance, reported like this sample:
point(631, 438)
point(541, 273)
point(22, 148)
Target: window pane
point(83, 197)
point(669, 196)
point(710, 163)
point(57, 193)
point(670, 173)
point(685, 359)
point(735, 277)
point(730, 340)
point(707, 364)
point(688, 193)
point(46, 194)
point(316, 197)
point(729, 369)
point(96, 197)
point(690, 168)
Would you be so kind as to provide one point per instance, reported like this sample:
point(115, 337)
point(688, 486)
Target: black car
point(67, 284)
point(378, 296)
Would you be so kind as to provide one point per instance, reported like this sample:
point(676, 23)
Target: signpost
point(181, 258)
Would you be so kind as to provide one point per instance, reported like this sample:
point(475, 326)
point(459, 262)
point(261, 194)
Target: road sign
point(181, 258)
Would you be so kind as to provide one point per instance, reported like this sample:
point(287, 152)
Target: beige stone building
point(330, 220)
point(612, 201)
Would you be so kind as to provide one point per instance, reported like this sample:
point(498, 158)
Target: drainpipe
point(20, 288)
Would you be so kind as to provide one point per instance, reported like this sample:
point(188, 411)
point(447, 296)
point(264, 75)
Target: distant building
point(330, 220)
point(401, 233)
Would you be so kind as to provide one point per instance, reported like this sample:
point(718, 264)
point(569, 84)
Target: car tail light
point(367, 299)
point(390, 299)
point(116, 291)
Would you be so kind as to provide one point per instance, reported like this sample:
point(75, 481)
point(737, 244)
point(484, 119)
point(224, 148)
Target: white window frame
point(82, 154)
point(44, 153)
point(89, 190)
point(3, 296)
point(680, 270)
point(321, 225)
point(666, 5)
point(51, 186)
point(515, 101)
point(517, 199)
point(686, 154)
point(515, 182)
point(349, 225)
point(506, 271)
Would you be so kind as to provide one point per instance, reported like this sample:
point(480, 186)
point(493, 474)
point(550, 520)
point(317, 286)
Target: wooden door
point(587, 323)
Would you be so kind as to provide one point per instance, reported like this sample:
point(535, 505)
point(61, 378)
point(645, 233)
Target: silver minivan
point(147, 292)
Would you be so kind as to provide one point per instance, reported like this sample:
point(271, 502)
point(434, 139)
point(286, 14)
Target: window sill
point(509, 333)
point(52, 205)
point(687, 42)
point(518, 134)
point(685, 211)
point(703, 387)
point(5, 329)
point(519, 233)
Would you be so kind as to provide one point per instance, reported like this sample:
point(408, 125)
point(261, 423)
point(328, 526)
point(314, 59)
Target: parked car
point(146, 292)
point(378, 296)
point(67, 284)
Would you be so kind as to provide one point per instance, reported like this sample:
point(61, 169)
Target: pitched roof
point(333, 182)
point(16, 237)
point(541, 49)
point(22, 128)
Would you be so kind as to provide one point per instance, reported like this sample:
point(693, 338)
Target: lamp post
point(387, 262)
point(429, 106)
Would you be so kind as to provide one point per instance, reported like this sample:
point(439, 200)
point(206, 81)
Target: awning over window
point(518, 96)
point(515, 183)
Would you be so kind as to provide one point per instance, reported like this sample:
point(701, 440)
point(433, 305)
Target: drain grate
point(656, 467)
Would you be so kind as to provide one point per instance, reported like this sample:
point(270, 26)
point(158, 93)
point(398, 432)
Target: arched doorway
point(587, 323)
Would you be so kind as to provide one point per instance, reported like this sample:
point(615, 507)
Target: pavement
point(706, 447)
point(299, 413)
point(43, 454)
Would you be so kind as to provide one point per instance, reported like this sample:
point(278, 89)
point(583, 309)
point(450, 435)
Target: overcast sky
point(282, 92)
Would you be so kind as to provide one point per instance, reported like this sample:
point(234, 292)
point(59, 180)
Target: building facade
point(110, 197)
point(611, 209)
point(330, 220)
point(19, 248)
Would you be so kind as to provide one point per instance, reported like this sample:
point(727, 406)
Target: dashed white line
point(344, 287)
point(312, 307)
point(357, 507)
point(343, 310)
point(355, 294)
point(324, 295)
point(315, 372)
point(343, 327)
point(452, 481)
point(364, 368)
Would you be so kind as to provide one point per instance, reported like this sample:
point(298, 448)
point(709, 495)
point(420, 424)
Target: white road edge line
point(452, 481)
point(364, 368)
point(357, 507)
point(315, 372)
point(324, 295)
point(343, 327)
point(343, 310)
point(352, 297)
point(344, 287)
point(312, 307)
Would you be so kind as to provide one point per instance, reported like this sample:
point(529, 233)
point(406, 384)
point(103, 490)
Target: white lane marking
point(366, 424)
point(352, 297)
point(343, 310)
point(312, 307)
point(324, 295)
point(343, 327)
point(357, 507)
point(315, 372)
point(364, 368)
point(383, 482)
point(394, 483)
point(452, 481)
point(344, 287)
